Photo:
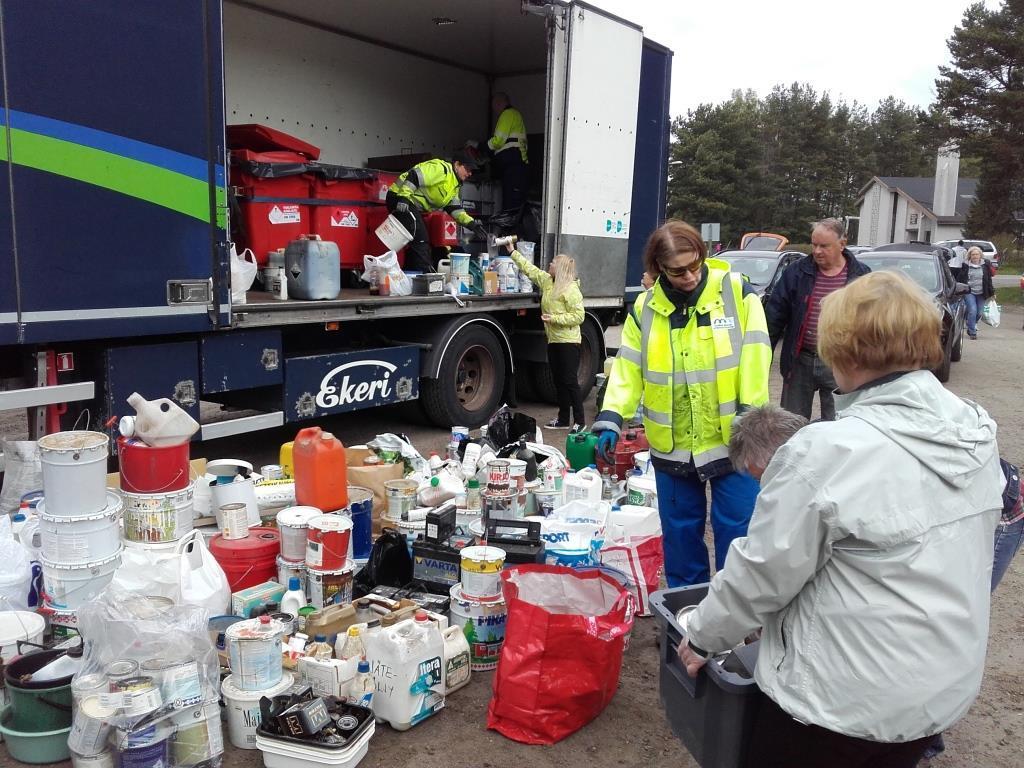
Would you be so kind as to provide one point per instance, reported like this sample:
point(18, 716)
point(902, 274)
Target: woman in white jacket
point(869, 553)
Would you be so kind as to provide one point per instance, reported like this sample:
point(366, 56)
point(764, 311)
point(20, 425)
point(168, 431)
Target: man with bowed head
point(695, 349)
point(792, 312)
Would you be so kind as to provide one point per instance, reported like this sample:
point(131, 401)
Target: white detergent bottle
point(445, 485)
point(584, 485)
point(456, 659)
point(158, 423)
point(407, 662)
point(294, 599)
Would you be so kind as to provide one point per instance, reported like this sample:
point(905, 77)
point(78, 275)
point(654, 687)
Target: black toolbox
point(519, 538)
point(712, 714)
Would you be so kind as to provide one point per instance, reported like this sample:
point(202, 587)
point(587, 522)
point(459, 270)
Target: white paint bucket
point(254, 653)
point(234, 520)
point(91, 726)
point(102, 760)
point(158, 517)
point(330, 587)
point(642, 461)
point(483, 623)
point(393, 234)
point(642, 491)
point(240, 491)
point(84, 539)
point(19, 625)
point(243, 709)
point(198, 737)
point(286, 569)
point(70, 586)
point(480, 569)
point(293, 523)
point(401, 497)
point(74, 472)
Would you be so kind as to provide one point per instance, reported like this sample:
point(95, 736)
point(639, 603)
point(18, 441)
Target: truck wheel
point(590, 363)
point(470, 382)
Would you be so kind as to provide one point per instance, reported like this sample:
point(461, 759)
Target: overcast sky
point(862, 51)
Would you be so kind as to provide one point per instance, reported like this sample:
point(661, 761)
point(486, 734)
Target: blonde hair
point(565, 272)
point(975, 249)
point(883, 322)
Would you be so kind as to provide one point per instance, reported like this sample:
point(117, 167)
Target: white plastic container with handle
point(158, 423)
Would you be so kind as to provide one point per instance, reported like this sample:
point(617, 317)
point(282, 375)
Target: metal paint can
point(103, 759)
point(286, 569)
point(499, 476)
point(272, 472)
point(330, 587)
point(143, 748)
point(498, 506)
point(401, 497)
point(198, 736)
point(254, 653)
point(119, 670)
point(139, 695)
point(516, 475)
point(293, 523)
point(91, 726)
point(234, 520)
point(178, 680)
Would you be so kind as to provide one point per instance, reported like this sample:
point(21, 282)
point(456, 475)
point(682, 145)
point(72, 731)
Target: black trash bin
point(712, 714)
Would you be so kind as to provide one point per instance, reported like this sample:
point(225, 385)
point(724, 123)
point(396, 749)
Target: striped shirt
point(823, 286)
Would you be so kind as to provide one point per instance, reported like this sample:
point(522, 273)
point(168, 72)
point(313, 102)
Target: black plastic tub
point(712, 714)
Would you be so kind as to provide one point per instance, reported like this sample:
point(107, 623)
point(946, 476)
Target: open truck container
point(114, 236)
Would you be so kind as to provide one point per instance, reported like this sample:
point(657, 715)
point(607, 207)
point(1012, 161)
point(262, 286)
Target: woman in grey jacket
point(869, 553)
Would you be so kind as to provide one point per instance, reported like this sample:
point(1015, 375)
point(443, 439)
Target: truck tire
point(470, 383)
point(590, 364)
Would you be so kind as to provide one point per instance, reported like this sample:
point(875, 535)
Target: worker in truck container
point(509, 147)
point(432, 185)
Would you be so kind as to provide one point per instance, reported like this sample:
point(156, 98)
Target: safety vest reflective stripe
point(658, 417)
point(631, 355)
point(705, 376)
point(727, 409)
point(757, 337)
point(717, 453)
point(646, 321)
point(680, 455)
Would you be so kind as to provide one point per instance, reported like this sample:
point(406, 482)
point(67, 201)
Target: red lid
point(262, 138)
point(259, 544)
point(422, 616)
point(264, 619)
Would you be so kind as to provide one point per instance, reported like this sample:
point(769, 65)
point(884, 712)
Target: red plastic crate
point(341, 217)
point(442, 229)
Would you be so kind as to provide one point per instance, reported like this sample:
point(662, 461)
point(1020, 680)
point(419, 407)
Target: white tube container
point(74, 472)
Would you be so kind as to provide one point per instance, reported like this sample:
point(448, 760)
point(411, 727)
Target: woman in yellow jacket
point(561, 306)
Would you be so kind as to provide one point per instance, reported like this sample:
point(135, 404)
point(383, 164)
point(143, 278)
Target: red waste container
point(342, 199)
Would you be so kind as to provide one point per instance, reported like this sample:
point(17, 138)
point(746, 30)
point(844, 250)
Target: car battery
point(431, 284)
point(271, 191)
point(630, 443)
point(341, 198)
point(435, 561)
point(441, 229)
point(519, 538)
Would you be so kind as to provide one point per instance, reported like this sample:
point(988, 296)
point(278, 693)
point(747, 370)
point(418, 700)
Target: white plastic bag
point(401, 283)
point(16, 575)
point(23, 472)
point(149, 573)
point(990, 313)
point(414, 461)
point(243, 272)
point(200, 578)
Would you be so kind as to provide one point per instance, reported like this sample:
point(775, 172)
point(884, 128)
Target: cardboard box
point(490, 283)
point(329, 677)
point(244, 602)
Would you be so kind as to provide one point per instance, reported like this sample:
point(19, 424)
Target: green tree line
point(779, 162)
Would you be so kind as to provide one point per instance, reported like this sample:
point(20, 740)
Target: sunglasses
point(680, 271)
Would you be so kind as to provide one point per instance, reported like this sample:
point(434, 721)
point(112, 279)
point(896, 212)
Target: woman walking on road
point(561, 306)
point(978, 276)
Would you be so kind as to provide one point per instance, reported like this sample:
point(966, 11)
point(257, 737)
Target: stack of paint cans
point(78, 518)
point(293, 524)
point(329, 565)
point(477, 604)
point(254, 655)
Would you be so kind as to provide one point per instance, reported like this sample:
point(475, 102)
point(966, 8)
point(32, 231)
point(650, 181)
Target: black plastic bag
point(507, 427)
point(389, 564)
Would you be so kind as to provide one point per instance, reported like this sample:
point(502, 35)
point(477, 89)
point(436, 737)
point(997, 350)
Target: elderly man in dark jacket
point(792, 313)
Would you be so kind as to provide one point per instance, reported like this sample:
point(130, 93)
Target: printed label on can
point(456, 670)
point(181, 685)
point(314, 553)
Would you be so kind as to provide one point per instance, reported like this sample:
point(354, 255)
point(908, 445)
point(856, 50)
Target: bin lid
point(268, 165)
point(341, 172)
point(260, 544)
point(262, 138)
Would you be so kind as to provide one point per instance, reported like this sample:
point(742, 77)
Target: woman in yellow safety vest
point(695, 349)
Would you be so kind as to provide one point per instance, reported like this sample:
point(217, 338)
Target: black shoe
point(973, 336)
point(556, 424)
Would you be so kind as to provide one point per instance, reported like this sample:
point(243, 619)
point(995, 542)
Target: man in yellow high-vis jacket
point(509, 147)
point(695, 349)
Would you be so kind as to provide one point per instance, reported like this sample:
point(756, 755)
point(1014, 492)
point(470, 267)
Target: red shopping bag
point(560, 663)
point(642, 560)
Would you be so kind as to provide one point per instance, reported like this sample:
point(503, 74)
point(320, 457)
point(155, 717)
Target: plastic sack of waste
point(389, 446)
point(150, 681)
point(507, 427)
point(990, 313)
point(23, 472)
point(401, 283)
point(243, 273)
point(16, 574)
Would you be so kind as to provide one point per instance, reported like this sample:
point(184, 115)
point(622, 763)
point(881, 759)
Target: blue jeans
point(1008, 541)
point(683, 504)
point(974, 305)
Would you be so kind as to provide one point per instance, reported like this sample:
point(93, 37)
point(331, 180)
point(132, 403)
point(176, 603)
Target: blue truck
point(116, 209)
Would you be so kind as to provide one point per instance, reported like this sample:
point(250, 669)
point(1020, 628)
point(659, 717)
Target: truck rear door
point(593, 91)
point(113, 198)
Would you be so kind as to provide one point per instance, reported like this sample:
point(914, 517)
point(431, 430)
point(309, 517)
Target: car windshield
point(762, 243)
point(758, 268)
point(923, 271)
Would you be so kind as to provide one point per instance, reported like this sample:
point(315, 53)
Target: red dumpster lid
point(261, 138)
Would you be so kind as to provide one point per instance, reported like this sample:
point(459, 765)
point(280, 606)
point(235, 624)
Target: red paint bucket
point(152, 470)
point(249, 561)
point(327, 539)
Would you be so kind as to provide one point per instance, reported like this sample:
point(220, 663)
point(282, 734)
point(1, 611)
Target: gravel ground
point(632, 730)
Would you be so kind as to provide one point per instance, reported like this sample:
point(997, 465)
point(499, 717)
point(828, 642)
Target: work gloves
point(606, 440)
point(478, 230)
point(402, 207)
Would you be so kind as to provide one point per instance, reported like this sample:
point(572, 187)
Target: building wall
point(947, 232)
point(875, 213)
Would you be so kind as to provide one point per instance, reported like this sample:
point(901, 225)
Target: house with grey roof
point(898, 209)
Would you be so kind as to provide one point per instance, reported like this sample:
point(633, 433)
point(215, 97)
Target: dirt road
point(633, 731)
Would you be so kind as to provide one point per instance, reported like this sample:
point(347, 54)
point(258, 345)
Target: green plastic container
point(37, 707)
point(580, 449)
point(34, 748)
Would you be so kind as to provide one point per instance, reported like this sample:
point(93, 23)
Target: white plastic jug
point(158, 423)
point(584, 485)
point(407, 662)
point(456, 659)
point(630, 520)
point(443, 486)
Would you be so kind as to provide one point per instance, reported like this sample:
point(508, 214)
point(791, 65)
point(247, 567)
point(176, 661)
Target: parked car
point(856, 250)
point(762, 269)
point(931, 271)
point(763, 241)
point(920, 247)
point(988, 249)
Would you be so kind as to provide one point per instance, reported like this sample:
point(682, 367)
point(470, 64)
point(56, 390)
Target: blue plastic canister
point(313, 267)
